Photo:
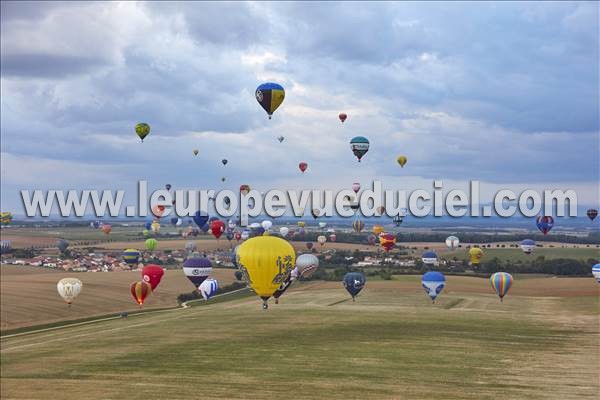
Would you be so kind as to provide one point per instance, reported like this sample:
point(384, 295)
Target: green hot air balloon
point(142, 130)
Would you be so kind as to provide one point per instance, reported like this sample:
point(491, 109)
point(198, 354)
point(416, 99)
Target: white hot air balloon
point(266, 224)
point(307, 264)
point(452, 242)
point(321, 240)
point(69, 289)
point(283, 231)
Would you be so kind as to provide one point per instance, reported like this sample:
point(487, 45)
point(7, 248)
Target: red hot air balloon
point(303, 166)
point(152, 274)
point(139, 291)
point(237, 236)
point(106, 229)
point(333, 237)
point(158, 211)
point(342, 117)
point(387, 241)
point(217, 227)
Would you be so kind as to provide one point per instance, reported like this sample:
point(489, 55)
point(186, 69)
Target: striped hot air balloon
point(358, 225)
point(131, 257)
point(140, 290)
point(197, 269)
point(208, 288)
point(501, 282)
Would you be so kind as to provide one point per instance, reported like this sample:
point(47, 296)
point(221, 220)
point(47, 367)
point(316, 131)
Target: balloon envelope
point(200, 218)
point(307, 264)
point(359, 146)
point(266, 262)
point(433, 282)
point(475, 255)
point(545, 223)
point(270, 96)
point(452, 242)
point(354, 282)
point(142, 129)
point(527, 246)
point(140, 291)
point(151, 244)
point(208, 288)
point(152, 274)
point(501, 282)
point(429, 258)
point(342, 117)
point(387, 241)
point(69, 289)
point(197, 269)
point(592, 213)
point(596, 272)
point(131, 256)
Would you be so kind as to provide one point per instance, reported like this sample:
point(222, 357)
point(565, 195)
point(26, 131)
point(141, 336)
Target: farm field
point(29, 296)
point(541, 343)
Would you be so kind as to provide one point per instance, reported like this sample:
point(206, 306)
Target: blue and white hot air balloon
point(527, 246)
point(433, 282)
point(429, 258)
point(596, 272)
point(208, 288)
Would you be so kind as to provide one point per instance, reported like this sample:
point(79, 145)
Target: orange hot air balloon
point(158, 211)
point(377, 229)
point(387, 241)
point(106, 229)
point(140, 290)
point(342, 117)
point(303, 166)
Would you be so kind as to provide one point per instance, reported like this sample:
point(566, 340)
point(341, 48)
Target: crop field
point(29, 295)
point(542, 342)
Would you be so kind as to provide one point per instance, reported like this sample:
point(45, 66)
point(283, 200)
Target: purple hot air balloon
point(197, 269)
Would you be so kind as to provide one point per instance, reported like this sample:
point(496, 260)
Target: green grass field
point(392, 343)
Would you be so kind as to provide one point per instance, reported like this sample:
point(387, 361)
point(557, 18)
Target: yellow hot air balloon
point(155, 226)
point(266, 262)
point(377, 229)
point(475, 255)
point(402, 160)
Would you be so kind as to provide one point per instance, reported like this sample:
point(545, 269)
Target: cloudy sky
point(502, 93)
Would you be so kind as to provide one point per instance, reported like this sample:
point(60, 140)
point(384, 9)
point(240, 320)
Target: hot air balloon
point(217, 227)
point(69, 289)
point(266, 262)
point(380, 210)
point(429, 258)
point(452, 242)
point(106, 229)
point(155, 227)
point(342, 117)
point(501, 282)
point(270, 96)
point(596, 272)
point(140, 290)
point(475, 255)
point(592, 213)
point(398, 220)
point(200, 218)
point(545, 223)
point(62, 245)
point(377, 229)
point(280, 138)
point(152, 274)
point(354, 283)
point(527, 246)
point(197, 269)
point(358, 225)
point(356, 187)
point(309, 245)
point(245, 234)
point(266, 224)
point(237, 236)
point(303, 166)
point(372, 239)
point(131, 257)
point(402, 161)
point(6, 218)
point(387, 241)
point(333, 237)
point(307, 264)
point(146, 232)
point(301, 224)
point(433, 282)
point(224, 161)
point(208, 288)
point(283, 231)
point(195, 151)
point(245, 189)
point(151, 244)
point(321, 240)
point(168, 186)
point(142, 130)
point(359, 146)
point(315, 212)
